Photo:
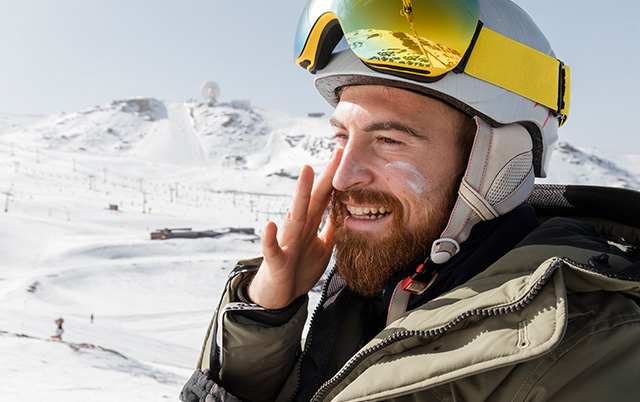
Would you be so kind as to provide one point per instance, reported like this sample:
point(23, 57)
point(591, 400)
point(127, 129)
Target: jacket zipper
point(322, 392)
point(323, 296)
point(609, 273)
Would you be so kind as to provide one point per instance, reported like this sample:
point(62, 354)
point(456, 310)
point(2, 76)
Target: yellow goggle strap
point(521, 69)
point(310, 53)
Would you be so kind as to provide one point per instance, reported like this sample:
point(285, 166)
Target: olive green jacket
point(546, 322)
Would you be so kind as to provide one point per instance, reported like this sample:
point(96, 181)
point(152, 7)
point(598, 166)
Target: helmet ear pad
point(499, 177)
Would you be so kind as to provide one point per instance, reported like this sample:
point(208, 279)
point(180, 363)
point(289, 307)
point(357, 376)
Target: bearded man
point(446, 284)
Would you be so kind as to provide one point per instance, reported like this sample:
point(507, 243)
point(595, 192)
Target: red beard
point(367, 262)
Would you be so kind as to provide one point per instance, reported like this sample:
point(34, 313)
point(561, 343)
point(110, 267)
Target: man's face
point(396, 183)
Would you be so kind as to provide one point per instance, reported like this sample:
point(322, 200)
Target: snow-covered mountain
point(80, 195)
point(573, 165)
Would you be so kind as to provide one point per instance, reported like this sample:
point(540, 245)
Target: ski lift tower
point(6, 204)
point(210, 91)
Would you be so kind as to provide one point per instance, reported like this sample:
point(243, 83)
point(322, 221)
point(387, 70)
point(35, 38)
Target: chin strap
point(425, 274)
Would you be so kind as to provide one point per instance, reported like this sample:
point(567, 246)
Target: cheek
point(402, 173)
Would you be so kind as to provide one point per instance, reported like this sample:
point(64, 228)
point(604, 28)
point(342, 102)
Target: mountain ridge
point(238, 138)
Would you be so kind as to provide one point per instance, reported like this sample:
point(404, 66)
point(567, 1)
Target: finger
point(326, 235)
point(325, 238)
point(321, 193)
point(296, 218)
point(271, 250)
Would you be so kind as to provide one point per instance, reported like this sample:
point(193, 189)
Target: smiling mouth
point(370, 213)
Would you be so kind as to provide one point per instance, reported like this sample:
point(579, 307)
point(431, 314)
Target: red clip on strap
point(404, 289)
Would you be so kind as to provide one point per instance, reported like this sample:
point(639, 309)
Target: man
point(59, 330)
point(445, 286)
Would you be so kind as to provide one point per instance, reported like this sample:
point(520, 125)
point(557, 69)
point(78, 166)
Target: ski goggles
point(425, 39)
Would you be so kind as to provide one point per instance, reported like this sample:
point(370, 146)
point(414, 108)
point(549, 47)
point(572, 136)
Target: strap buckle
point(413, 285)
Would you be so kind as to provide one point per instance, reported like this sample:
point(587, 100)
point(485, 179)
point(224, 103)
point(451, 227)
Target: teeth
point(370, 213)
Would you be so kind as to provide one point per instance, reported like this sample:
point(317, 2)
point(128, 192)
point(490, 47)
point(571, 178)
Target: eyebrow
point(388, 125)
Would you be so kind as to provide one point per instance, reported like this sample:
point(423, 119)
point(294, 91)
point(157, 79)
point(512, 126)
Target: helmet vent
point(510, 178)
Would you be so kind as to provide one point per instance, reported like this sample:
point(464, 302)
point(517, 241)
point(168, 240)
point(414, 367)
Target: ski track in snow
point(165, 165)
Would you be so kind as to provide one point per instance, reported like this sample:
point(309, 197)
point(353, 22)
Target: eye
point(341, 138)
point(388, 141)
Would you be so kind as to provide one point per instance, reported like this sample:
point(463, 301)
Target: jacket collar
point(488, 241)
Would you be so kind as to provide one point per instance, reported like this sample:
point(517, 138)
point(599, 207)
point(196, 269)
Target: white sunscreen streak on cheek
point(417, 182)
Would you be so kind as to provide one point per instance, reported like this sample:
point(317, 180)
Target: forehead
point(384, 102)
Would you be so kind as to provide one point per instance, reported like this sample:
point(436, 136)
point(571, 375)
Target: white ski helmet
point(486, 58)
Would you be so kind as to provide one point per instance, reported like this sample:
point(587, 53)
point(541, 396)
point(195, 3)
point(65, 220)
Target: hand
point(296, 257)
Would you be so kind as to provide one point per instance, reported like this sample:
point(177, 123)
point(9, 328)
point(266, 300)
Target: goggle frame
point(490, 57)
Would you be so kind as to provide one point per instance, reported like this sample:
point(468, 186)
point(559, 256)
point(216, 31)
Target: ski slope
point(65, 253)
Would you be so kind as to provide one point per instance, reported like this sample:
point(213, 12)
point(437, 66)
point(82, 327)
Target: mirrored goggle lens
point(427, 37)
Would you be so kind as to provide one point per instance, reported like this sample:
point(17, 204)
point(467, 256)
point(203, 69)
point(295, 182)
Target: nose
point(354, 171)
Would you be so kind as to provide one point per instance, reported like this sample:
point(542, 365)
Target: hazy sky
point(69, 55)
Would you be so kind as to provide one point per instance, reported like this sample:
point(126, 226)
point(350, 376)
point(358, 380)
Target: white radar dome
point(210, 90)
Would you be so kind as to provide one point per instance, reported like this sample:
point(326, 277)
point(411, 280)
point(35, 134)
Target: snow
point(164, 165)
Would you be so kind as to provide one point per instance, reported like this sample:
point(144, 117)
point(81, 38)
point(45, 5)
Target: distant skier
point(59, 331)
point(92, 318)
